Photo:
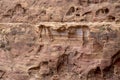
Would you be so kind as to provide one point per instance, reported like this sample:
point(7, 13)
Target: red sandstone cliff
point(59, 39)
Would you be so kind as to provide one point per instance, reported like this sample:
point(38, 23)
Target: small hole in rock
point(111, 18)
point(71, 10)
point(77, 9)
point(77, 14)
point(45, 62)
point(106, 10)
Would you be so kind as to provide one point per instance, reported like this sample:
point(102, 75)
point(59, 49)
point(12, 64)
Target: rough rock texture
point(34, 11)
point(59, 39)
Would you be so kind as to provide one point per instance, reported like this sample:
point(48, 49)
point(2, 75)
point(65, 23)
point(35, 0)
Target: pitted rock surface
point(59, 39)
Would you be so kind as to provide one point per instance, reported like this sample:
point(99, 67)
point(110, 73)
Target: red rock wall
point(59, 40)
point(34, 11)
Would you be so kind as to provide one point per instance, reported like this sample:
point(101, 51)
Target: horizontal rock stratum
point(59, 39)
point(34, 11)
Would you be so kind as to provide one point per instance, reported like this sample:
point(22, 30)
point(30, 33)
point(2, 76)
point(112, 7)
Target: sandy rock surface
point(59, 39)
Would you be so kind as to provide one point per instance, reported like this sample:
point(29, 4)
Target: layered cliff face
point(60, 40)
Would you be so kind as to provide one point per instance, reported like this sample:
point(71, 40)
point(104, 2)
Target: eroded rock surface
point(34, 11)
point(59, 39)
point(59, 51)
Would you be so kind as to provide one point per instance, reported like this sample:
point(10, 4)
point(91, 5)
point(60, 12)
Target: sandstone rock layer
point(60, 40)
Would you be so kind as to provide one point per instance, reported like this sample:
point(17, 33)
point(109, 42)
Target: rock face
point(59, 39)
point(34, 11)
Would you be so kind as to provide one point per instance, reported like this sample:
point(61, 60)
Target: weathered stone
point(59, 40)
